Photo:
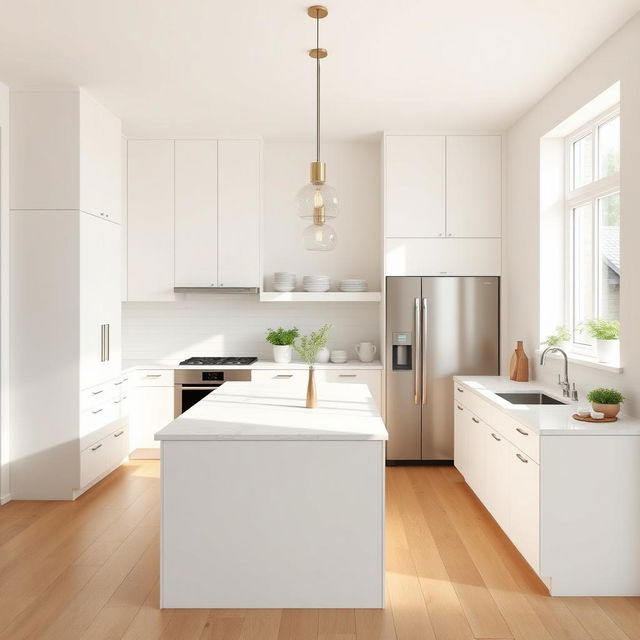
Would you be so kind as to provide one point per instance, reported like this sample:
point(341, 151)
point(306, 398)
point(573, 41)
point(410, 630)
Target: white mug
point(366, 351)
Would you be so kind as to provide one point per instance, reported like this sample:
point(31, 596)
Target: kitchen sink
point(532, 397)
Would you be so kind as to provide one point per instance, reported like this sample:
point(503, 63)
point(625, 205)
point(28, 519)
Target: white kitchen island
point(268, 504)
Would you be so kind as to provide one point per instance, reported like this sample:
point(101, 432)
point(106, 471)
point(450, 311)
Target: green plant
point(561, 334)
point(602, 329)
point(605, 396)
point(281, 337)
point(309, 346)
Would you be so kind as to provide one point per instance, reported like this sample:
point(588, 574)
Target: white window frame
point(587, 194)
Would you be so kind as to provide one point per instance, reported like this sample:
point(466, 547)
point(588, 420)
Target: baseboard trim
point(5, 498)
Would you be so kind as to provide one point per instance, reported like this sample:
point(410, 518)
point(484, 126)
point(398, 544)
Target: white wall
point(219, 324)
point(4, 292)
point(235, 324)
point(614, 61)
point(353, 168)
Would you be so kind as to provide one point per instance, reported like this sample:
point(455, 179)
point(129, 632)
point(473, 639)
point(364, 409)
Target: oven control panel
point(208, 376)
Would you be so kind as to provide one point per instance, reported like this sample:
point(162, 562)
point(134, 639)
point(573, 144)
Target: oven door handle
point(203, 388)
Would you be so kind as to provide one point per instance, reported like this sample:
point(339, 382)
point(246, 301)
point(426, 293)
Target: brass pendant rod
point(317, 89)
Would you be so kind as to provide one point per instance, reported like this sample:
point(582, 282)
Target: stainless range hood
point(217, 289)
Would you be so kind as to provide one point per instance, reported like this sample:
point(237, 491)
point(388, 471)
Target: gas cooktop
point(217, 362)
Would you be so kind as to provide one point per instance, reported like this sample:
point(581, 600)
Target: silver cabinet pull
point(522, 458)
point(460, 407)
point(460, 389)
point(495, 437)
point(522, 431)
point(96, 447)
point(418, 353)
point(425, 327)
point(102, 342)
point(153, 375)
point(95, 393)
point(108, 348)
point(476, 420)
point(283, 376)
point(117, 401)
point(117, 435)
point(98, 411)
point(117, 384)
point(346, 375)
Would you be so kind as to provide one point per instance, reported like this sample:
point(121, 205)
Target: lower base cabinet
point(151, 409)
point(569, 502)
point(102, 457)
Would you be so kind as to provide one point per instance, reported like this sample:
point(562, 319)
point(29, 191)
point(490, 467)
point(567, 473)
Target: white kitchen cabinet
point(196, 212)
point(524, 505)
point(151, 409)
point(474, 186)
point(150, 220)
point(568, 500)
point(238, 213)
point(100, 307)
point(414, 186)
point(442, 257)
point(58, 303)
point(65, 154)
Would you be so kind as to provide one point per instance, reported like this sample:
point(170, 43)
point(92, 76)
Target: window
point(593, 219)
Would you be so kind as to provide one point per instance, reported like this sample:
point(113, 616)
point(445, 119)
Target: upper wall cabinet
point(239, 213)
point(443, 186)
point(65, 154)
point(196, 227)
point(150, 220)
point(203, 233)
point(414, 186)
point(474, 186)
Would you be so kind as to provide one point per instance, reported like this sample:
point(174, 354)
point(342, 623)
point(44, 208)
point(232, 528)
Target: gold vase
point(312, 398)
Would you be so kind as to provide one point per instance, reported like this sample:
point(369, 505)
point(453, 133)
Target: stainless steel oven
point(191, 385)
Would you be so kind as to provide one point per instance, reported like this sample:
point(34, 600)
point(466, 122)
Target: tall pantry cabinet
point(68, 427)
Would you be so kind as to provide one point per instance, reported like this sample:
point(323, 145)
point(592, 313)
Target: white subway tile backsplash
point(235, 324)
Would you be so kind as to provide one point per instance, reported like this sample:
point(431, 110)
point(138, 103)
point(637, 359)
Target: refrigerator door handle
point(418, 352)
point(425, 328)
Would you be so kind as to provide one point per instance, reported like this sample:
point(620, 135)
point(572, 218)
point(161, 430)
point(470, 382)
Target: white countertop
point(131, 365)
point(546, 419)
point(276, 411)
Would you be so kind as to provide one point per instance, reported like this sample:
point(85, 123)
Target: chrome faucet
point(566, 387)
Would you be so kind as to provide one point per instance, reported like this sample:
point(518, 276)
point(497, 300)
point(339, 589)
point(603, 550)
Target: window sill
point(586, 361)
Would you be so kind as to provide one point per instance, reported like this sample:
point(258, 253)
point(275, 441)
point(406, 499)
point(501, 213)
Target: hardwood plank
point(623, 612)
point(150, 621)
point(261, 624)
point(298, 624)
point(186, 624)
point(445, 611)
point(223, 627)
point(410, 614)
point(596, 621)
point(376, 624)
point(481, 610)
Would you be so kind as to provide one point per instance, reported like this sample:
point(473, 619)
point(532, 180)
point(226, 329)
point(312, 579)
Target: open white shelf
point(327, 296)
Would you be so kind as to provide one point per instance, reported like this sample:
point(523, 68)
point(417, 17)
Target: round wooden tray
point(590, 419)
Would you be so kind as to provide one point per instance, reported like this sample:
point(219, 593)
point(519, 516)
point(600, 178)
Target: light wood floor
point(89, 570)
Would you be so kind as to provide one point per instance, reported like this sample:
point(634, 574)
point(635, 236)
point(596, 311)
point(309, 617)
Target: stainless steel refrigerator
point(437, 327)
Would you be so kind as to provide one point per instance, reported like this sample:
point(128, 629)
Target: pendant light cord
point(318, 88)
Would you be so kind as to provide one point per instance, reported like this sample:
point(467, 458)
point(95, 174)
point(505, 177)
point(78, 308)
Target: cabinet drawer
point(93, 419)
point(373, 379)
point(281, 375)
point(523, 438)
point(154, 378)
point(103, 455)
point(96, 396)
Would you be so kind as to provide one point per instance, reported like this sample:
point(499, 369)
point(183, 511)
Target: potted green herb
point(606, 401)
point(307, 349)
point(606, 334)
point(559, 338)
point(282, 341)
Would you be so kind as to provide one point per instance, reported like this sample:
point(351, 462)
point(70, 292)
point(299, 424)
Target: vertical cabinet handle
point(108, 354)
point(416, 365)
point(101, 343)
point(425, 329)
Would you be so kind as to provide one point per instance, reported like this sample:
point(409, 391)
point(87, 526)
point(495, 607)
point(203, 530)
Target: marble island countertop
point(276, 411)
point(545, 419)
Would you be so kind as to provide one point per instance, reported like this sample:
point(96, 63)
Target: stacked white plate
point(338, 356)
point(316, 283)
point(283, 281)
point(353, 285)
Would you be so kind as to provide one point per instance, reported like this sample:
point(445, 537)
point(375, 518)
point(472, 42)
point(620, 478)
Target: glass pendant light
point(317, 200)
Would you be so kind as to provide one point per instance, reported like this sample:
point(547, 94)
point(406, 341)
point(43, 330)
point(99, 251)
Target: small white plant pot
point(282, 353)
point(608, 350)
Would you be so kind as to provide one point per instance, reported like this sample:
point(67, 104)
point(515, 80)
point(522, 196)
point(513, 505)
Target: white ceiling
point(222, 67)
